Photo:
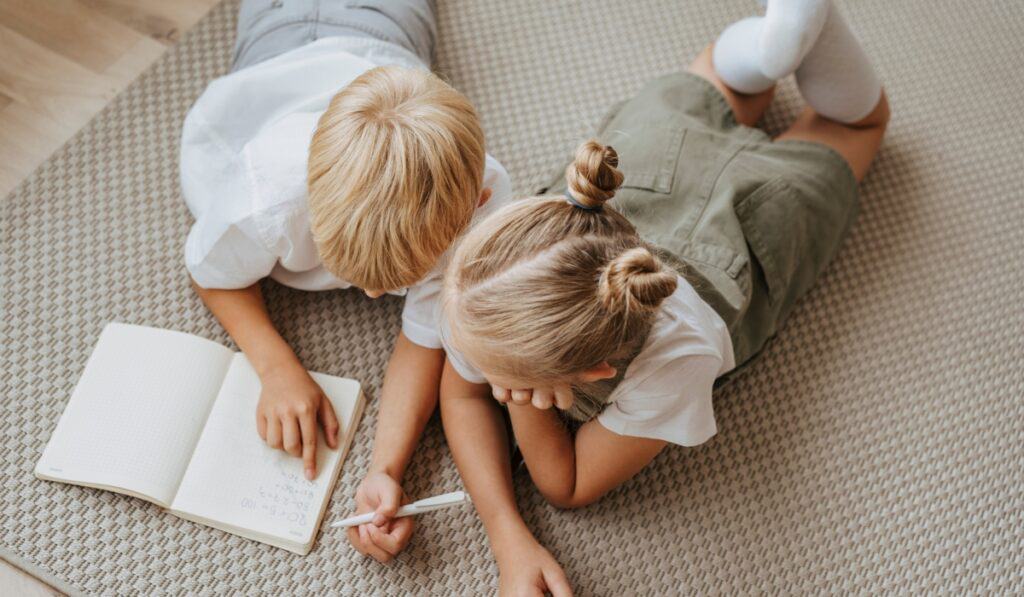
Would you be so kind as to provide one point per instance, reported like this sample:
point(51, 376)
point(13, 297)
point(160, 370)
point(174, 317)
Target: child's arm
point(407, 400)
point(290, 401)
point(479, 444)
point(570, 472)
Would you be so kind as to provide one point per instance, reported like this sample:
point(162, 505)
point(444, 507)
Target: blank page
point(137, 411)
point(238, 483)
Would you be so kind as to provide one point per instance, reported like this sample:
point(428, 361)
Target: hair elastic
point(575, 203)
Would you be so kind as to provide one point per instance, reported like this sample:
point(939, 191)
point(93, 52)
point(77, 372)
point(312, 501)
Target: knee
point(879, 116)
point(568, 501)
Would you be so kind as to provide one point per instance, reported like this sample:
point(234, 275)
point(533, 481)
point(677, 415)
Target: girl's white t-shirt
point(244, 153)
point(666, 391)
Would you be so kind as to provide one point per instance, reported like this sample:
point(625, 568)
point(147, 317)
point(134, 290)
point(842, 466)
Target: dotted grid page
point(137, 411)
point(241, 485)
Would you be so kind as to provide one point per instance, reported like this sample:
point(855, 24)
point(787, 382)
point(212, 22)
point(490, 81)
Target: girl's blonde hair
point(395, 172)
point(544, 289)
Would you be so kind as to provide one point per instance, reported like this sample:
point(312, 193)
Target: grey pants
point(267, 28)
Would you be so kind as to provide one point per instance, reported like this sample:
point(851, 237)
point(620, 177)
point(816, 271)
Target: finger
point(501, 394)
point(261, 426)
point(564, 397)
point(385, 541)
point(521, 396)
point(290, 436)
point(401, 530)
point(307, 425)
point(558, 584)
point(354, 539)
point(330, 422)
point(274, 433)
point(543, 398)
point(370, 548)
point(388, 507)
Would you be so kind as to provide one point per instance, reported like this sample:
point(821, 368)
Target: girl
point(628, 313)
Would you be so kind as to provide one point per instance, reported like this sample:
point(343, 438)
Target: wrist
point(387, 467)
point(508, 536)
point(282, 362)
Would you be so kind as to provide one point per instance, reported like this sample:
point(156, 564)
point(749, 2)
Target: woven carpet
point(876, 447)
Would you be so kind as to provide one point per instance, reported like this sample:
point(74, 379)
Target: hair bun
point(594, 176)
point(634, 280)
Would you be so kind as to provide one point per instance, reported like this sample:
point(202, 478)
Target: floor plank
point(60, 88)
point(13, 581)
point(63, 60)
point(70, 29)
point(157, 19)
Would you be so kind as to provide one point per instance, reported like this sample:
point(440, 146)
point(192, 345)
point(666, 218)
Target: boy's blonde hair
point(543, 290)
point(395, 172)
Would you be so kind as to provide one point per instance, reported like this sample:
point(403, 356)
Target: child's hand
point(385, 537)
point(529, 569)
point(543, 398)
point(286, 415)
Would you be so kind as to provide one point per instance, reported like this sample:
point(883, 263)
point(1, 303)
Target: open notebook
point(170, 418)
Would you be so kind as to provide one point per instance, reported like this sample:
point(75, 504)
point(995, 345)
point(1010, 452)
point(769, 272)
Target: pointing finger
point(307, 423)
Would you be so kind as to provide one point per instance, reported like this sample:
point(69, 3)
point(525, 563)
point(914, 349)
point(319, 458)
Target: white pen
point(446, 500)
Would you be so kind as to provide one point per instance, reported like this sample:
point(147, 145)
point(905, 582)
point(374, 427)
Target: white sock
point(811, 38)
point(790, 29)
point(836, 77)
point(737, 56)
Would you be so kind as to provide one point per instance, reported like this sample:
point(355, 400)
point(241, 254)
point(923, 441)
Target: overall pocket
point(787, 238)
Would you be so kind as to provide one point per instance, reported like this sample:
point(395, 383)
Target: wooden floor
point(61, 61)
point(16, 582)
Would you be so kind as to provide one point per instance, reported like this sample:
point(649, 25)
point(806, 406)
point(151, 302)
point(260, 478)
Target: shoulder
point(684, 326)
point(666, 390)
point(672, 403)
point(498, 180)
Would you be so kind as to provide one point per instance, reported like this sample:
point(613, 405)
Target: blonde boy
point(330, 157)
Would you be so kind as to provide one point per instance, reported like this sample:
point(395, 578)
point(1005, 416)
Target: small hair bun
point(594, 176)
point(636, 280)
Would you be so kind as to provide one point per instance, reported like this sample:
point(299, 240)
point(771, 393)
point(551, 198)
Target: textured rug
point(876, 447)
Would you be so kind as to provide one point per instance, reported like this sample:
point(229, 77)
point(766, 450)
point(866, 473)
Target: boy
point(330, 157)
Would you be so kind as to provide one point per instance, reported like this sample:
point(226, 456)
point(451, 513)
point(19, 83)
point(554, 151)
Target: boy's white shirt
point(666, 391)
point(244, 151)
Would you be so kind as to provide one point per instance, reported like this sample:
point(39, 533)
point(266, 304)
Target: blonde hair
point(543, 289)
point(395, 172)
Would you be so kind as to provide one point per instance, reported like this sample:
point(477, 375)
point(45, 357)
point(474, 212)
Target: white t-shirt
point(244, 152)
point(666, 391)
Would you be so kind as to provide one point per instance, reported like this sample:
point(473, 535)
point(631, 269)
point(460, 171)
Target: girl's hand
point(528, 569)
point(559, 395)
point(287, 413)
point(386, 536)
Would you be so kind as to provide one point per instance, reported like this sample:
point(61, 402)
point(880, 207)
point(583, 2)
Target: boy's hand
point(385, 537)
point(543, 398)
point(287, 413)
point(529, 569)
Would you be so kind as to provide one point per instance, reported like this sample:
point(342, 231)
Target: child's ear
point(598, 372)
point(484, 196)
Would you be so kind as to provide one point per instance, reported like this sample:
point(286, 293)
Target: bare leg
point(748, 107)
point(858, 142)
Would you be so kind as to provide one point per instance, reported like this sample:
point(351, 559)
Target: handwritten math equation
point(290, 499)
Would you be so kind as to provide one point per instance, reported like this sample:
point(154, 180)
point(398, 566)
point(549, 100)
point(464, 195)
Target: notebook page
point(236, 482)
point(137, 411)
